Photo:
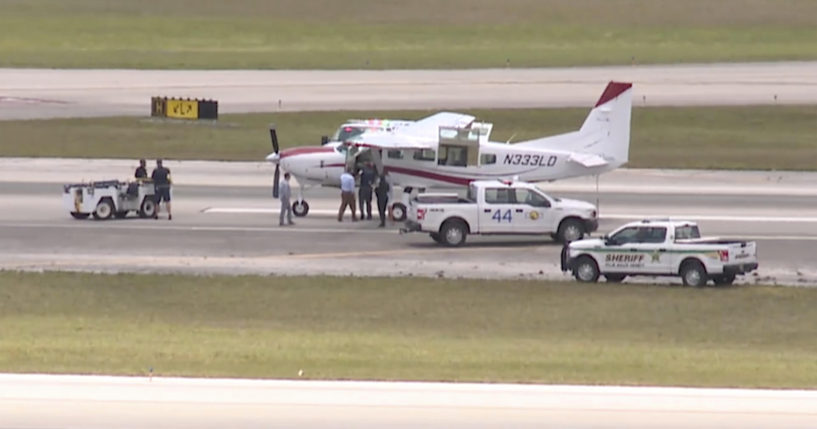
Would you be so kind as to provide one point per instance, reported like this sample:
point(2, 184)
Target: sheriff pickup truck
point(660, 248)
point(499, 207)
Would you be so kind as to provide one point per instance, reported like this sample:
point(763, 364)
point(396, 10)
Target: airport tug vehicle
point(110, 198)
point(660, 247)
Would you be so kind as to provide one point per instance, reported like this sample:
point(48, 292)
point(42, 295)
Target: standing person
point(347, 195)
point(367, 177)
point(284, 193)
point(141, 171)
point(162, 182)
point(383, 192)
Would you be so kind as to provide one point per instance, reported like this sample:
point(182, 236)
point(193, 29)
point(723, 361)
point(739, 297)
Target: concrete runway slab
point(233, 229)
point(137, 402)
point(47, 93)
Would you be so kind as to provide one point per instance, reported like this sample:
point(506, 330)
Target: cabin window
point(425, 155)
point(487, 159)
point(687, 232)
point(652, 234)
point(498, 195)
point(347, 132)
point(395, 154)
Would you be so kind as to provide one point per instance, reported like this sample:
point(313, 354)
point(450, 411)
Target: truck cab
point(500, 207)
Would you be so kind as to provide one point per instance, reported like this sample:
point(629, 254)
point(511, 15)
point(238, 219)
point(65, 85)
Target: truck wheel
point(300, 208)
point(586, 270)
point(78, 215)
point(694, 274)
point(104, 209)
point(436, 237)
point(453, 233)
point(724, 280)
point(570, 230)
point(615, 278)
point(148, 208)
point(398, 212)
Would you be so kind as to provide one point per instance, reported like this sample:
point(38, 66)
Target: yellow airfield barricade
point(183, 108)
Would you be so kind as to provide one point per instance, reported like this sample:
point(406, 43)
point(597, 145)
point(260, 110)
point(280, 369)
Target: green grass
point(408, 329)
point(760, 138)
point(330, 34)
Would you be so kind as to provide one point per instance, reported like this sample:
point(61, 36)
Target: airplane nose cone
point(273, 158)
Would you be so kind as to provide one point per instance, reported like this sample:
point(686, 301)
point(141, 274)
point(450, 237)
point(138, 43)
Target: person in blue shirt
point(367, 178)
point(347, 195)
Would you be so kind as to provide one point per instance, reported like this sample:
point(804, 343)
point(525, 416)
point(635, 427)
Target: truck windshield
point(687, 232)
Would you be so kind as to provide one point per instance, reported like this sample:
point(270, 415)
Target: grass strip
point(754, 137)
point(373, 34)
point(407, 329)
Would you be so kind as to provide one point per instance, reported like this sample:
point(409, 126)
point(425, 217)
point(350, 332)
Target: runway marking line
point(618, 216)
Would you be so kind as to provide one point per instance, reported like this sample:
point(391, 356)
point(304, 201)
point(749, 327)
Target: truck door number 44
point(499, 216)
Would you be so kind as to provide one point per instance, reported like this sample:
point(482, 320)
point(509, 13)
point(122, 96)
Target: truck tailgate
point(742, 252)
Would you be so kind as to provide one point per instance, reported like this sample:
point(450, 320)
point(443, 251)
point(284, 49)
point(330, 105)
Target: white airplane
point(448, 150)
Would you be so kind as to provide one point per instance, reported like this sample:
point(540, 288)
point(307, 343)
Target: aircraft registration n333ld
point(449, 150)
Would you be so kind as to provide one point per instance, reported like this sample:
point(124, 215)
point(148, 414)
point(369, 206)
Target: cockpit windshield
point(347, 132)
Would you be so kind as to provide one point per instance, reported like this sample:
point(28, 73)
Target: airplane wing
point(587, 159)
point(429, 127)
point(392, 141)
point(422, 134)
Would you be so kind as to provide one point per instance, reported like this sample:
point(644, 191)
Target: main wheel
point(148, 208)
point(78, 215)
point(694, 274)
point(586, 270)
point(398, 212)
point(615, 278)
point(724, 280)
point(570, 230)
point(104, 209)
point(300, 208)
point(453, 233)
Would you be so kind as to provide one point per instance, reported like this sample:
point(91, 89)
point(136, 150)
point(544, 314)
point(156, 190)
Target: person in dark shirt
point(367, 178)
point(162, 182)
point(383, 192)
point(141, 171)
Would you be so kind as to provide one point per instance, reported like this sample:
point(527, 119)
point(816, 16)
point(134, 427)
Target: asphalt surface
point(57, 402)
point(46, 93)
point(233, 228)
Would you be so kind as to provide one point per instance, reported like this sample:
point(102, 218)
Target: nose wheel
point(300, 208)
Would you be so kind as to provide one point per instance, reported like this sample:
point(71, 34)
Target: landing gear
point(300, 208)
point(398, 212)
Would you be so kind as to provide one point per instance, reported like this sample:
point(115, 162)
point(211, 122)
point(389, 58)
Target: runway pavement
point(232, 228)
point(56, 402)
point(49, 93)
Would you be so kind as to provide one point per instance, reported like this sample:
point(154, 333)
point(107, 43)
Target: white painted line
point(696, 217)
point(251, 210)
point(604, 216)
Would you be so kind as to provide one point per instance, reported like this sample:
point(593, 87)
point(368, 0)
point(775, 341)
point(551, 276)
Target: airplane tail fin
point(604, 138)
point(608, 124)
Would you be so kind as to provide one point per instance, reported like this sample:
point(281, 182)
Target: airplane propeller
point(274, 137)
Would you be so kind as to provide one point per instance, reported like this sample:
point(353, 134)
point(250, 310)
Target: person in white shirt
point(347, 195)
point(284, 194)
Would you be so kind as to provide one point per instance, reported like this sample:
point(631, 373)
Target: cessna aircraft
point(448, 150)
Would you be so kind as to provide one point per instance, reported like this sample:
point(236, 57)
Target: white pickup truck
point(660, 248)
point(499, 207)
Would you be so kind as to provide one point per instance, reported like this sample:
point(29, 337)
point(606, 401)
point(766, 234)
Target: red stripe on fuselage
point(304, 151)
point(613, 90)
point(429, 175)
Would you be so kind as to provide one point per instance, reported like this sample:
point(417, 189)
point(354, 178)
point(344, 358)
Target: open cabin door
point(459, 147)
